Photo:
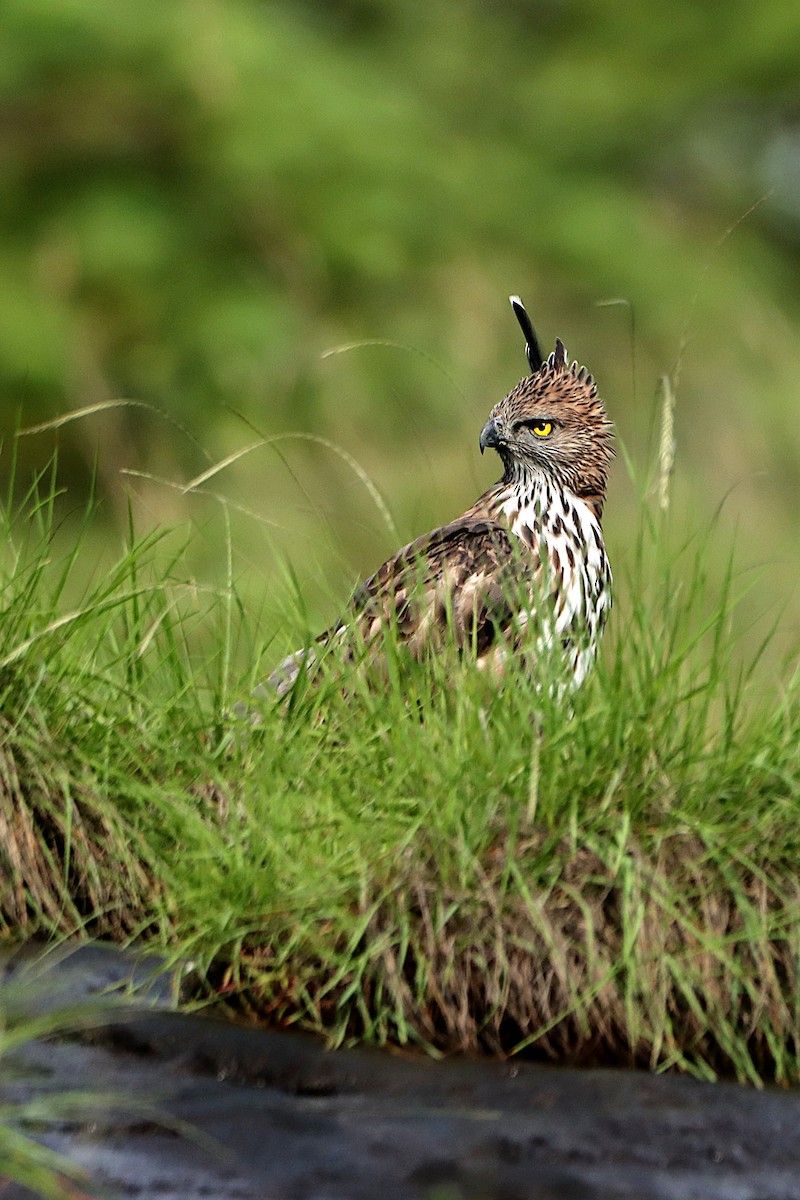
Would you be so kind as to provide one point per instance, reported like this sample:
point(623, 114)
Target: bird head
point(554, 424)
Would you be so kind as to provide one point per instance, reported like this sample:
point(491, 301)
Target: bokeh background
point(200, 198)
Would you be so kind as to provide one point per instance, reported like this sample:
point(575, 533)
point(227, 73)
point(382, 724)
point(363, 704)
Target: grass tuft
point(428, 860)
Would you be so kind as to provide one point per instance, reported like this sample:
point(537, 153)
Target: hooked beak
point(490, 436)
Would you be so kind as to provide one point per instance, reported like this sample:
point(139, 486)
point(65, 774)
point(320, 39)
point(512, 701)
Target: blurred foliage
point(199, 197)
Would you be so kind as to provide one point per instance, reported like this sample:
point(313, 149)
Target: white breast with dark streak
point(564, 533)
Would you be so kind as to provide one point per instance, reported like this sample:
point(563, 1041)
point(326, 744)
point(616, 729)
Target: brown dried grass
point(67, 860)
point(660, 958)
point(644, 964)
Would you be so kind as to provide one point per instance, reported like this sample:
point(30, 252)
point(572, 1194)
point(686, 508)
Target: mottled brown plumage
point(524, 570)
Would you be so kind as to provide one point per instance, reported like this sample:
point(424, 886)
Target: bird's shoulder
point(471, 575)
point(466, 548)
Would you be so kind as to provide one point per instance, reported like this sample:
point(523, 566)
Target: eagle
point(524, 570)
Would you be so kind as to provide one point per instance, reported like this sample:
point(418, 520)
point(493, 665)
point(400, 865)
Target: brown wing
point(464, 576)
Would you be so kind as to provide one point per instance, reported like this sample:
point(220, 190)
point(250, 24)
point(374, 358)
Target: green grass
point(430, 860)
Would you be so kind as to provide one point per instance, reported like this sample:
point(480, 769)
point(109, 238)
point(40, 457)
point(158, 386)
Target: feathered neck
point(528, 485)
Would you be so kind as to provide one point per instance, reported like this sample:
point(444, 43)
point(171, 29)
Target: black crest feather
point(532, 351)
point(558, 359)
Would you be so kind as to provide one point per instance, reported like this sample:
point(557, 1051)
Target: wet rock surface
point(206, 1108)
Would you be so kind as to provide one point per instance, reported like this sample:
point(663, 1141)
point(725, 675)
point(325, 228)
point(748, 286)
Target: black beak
point(489, 436)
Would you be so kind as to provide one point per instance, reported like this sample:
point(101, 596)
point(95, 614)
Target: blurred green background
point(202, 197)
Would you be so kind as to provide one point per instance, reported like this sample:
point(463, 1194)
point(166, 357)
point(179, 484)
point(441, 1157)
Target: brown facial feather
point(578, 452)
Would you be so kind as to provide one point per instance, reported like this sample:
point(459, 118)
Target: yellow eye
point(538, 425)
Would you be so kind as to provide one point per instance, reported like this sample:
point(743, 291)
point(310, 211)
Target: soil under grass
point(433, 861)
